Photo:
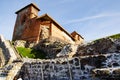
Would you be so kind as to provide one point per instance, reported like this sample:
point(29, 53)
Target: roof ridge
point(31, 4)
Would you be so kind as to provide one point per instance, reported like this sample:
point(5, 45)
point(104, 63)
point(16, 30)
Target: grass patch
point(31, 53)
point(116, 36)
point(97, 40)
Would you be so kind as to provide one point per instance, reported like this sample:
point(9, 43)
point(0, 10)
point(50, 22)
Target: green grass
point(97, 40)
point(31, 53)
point(116, 36)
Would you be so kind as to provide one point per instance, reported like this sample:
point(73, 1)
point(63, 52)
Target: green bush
point(31, 53)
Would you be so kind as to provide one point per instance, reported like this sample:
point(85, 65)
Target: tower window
point(23, 19)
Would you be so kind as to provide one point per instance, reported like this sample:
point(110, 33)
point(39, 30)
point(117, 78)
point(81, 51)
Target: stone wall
point(58, 69)
point(2, 58)
point(9, 53)
point(9, 58)
point(77, 68)
point(5, 51)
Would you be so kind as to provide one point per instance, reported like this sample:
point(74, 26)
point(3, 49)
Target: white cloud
point(101, 28)
point(92, 17)
point(97, 26)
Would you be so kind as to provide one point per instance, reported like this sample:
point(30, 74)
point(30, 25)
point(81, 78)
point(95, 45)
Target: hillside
point(114, 36)
point(109, 44)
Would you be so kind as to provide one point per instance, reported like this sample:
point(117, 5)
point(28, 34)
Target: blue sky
point(92, 19)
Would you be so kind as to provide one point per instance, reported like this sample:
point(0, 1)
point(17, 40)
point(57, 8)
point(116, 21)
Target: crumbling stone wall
point(58, 69)
point(77, 68)
point(2, 58)
point(8, 51)
point(4, 50)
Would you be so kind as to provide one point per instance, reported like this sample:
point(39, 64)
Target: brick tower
point(25, 17)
